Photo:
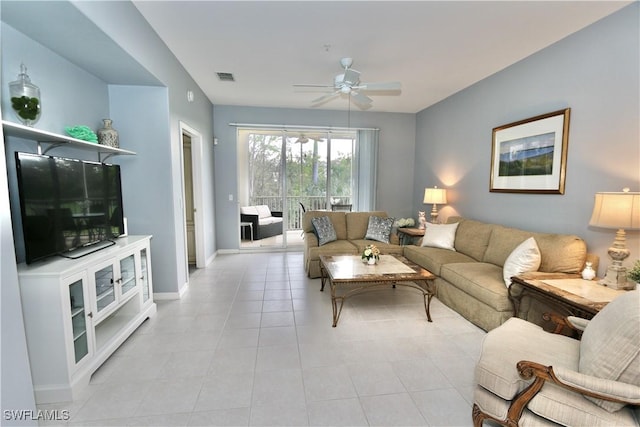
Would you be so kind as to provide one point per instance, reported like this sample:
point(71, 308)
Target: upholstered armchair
point(527, 376)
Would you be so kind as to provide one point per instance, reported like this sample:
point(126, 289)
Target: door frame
point(196, 177)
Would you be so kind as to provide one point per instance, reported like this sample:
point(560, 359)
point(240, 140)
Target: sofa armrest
point(575, 324)
point(600, 388)
point(574, 381)
point(578, 323)
point(277, 214)
point(311, 240)
point(253, 219)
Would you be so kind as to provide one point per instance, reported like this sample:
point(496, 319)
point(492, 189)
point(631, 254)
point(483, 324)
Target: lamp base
point(616, 278)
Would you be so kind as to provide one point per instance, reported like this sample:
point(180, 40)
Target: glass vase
point(25, 98)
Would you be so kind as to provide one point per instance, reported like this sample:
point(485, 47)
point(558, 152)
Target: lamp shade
point(435, 195)
point(616, 210)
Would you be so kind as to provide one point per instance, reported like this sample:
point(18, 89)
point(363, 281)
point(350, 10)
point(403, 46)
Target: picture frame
point(530, 156)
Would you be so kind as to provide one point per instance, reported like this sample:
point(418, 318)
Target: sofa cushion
point(481, 280)
point(263, 211)
point(385, 248)
point(358, 222)
point(559, 253)
point(324, 230)
point(338, 247)
point(502, 242)
point(610, 344)
point(472, 237)
point(249, 210)
point(337, 219)
point(269, 220)
point(496, 370)
point(567, 408)
point(433, 259)
point(379, 229)
point(524, 258)
point(440, 235)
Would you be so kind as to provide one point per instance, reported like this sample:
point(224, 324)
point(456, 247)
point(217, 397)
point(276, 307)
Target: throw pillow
point(324, 230)
point(263, 211)
point(440, 235)
point(379, 229)
point(524, 258)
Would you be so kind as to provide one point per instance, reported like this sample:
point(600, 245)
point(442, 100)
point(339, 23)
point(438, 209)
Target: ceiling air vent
point(226, 77)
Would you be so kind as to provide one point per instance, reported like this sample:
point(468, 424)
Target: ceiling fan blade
point(325, 98)
point(379, 86)
point(312, 85)
point(361, 99)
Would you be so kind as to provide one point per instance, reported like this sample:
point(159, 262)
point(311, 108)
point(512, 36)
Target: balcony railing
point(293, 208)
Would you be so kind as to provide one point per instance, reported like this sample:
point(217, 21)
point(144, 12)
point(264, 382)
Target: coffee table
point(349, 276)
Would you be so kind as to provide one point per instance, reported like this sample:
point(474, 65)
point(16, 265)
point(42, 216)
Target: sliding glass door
point(292, 172)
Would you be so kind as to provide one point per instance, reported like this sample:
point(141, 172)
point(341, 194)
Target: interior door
point(188, 201)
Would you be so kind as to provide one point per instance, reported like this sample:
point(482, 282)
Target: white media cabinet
point(77, 312)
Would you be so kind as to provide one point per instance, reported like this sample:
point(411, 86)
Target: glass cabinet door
point(144, 275)
point(127, 274)
point(105, 291)
point(78, 320)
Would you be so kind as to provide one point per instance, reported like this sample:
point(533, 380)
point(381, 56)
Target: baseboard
point(229, 251)
point(211, 258)
point(164, 296)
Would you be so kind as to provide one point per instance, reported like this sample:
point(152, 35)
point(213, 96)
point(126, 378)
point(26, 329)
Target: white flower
point(367, 252)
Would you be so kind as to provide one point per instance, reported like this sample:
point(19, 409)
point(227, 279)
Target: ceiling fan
point(348, 83)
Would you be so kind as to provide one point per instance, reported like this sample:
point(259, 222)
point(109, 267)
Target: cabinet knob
point(90, 314)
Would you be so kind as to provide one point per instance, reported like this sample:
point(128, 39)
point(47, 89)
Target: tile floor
point(251, 343)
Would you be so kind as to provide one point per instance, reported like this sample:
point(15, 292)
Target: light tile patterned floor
point(251, 343)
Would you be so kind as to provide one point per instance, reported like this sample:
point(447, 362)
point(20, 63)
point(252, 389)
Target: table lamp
point(436, 196)
point(618, 211)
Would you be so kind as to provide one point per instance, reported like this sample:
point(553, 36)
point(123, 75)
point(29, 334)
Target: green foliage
point(306, 169)
point(539, 165)
point(26, 107)
point(634, 273)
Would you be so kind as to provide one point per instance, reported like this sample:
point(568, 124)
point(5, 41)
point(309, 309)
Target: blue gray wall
point(395, 169)
point(72, 96)
point(596, 73)
point(123, 23)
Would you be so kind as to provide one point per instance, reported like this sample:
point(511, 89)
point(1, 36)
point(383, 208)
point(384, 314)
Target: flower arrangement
point(634, 273)
point(405, 222)
point(371, 252)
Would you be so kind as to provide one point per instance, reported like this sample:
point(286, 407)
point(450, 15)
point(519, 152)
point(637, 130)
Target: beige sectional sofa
point(350, 228)
point(470, 279)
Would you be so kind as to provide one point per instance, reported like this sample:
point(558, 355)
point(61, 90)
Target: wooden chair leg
point(479, 417)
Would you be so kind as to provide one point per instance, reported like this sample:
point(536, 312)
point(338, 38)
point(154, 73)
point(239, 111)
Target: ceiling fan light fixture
point(348, 83)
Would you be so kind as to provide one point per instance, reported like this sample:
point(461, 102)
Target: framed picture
point(530, 156)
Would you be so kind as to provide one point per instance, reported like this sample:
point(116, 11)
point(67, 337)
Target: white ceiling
point(434, 48)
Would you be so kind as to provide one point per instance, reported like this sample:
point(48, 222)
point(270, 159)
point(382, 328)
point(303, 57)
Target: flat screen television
point(67, 204)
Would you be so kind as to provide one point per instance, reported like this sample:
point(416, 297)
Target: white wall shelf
point(53, 140)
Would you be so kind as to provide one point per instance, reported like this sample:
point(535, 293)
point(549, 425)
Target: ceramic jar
point(107, 135)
